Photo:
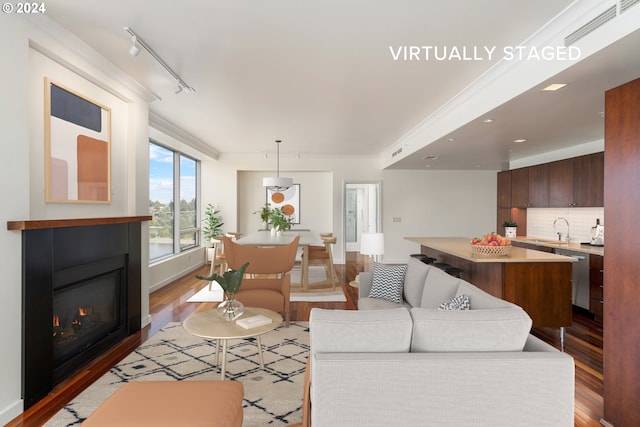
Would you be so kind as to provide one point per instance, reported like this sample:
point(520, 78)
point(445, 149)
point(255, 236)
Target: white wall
point(435, 203)
point(14, 192)
point(30, 53)
point(316, 210)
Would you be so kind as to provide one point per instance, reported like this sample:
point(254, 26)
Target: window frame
point(178, 248)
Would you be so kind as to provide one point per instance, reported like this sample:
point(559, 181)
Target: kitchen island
point(539, 282)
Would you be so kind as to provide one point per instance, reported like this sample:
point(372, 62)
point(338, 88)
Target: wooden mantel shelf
point(77, 222)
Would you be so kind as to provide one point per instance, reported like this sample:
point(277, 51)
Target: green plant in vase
point(212, 222)
point(265, 214)
point(279, 220)
point(229, 309)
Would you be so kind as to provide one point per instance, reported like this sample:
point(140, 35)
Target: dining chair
point(221, 257)
point(267, 281)
point(323, 255)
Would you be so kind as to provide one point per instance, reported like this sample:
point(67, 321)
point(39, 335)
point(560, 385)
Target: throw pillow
point(388, 282)
point(461, 302)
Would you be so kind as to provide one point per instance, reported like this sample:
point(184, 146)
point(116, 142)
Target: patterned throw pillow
point(388, 282)
point(461, 302)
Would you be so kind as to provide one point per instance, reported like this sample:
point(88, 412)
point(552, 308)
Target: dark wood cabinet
point(504, 189)
point(588, 180)
point(539, 186)
point(596, 286)
point(621, 350)
point(530, 187)
point(577, 182)
point(561, 183)
point(520, 188)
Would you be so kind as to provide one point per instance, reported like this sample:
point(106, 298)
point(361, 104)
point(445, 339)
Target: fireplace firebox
point(81, 289)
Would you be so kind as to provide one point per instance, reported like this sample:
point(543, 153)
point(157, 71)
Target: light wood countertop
point(571, 246)
point(461, 248)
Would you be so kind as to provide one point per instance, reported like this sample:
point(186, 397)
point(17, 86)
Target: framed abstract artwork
point(288, 200)
point(77, 147)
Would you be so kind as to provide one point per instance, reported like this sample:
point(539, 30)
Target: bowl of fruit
point(491, 244)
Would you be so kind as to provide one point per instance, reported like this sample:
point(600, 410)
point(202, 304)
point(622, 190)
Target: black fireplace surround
point(95, 267)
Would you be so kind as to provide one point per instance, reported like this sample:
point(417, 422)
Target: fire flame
point(56, 321)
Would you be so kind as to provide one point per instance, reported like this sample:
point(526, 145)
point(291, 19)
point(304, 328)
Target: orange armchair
point(267, 281)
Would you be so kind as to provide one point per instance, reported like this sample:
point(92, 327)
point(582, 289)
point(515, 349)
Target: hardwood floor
point(583, 340)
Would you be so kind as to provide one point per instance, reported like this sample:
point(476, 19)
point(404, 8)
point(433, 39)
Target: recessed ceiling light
point(430, 158)
point(554, 86)
point(519, 140)
point(451, 139)
point(488, 120)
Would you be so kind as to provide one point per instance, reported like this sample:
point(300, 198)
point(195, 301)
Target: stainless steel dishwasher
point(580, 284)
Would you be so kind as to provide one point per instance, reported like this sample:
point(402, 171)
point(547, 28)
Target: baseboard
point(11, 412)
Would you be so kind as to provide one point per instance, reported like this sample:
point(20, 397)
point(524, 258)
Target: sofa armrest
point(365, 280)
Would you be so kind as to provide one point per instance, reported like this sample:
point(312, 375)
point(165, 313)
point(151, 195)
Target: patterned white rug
point(273, 396)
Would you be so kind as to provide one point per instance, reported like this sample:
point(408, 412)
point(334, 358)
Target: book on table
point(253, 321)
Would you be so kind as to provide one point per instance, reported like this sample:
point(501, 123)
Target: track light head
point(134, 50)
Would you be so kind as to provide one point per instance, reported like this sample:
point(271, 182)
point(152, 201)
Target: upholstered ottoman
point(171, 404)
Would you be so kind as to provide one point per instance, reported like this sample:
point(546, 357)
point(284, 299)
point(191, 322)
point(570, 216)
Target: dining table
point(266, 238)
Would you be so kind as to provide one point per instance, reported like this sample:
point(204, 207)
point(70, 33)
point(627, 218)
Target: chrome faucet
point(560, 233)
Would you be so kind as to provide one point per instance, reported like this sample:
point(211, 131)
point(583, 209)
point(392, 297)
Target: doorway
point(362, 212)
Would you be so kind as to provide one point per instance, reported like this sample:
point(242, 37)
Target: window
point(172, 176)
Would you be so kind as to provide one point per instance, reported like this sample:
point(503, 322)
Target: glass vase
point(230, 309)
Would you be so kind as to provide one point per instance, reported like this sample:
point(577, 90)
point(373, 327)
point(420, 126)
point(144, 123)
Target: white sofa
point(420, 366)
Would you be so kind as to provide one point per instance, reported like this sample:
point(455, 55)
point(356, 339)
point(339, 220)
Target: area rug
point(273, 396)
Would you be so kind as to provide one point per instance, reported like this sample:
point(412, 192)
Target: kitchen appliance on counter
point(597, 234)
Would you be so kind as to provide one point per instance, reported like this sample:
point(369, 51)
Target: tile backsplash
point(540, 222)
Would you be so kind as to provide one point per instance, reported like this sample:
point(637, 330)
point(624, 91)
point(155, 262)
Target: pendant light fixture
point(277, 183)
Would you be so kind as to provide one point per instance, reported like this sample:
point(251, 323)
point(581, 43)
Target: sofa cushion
point(460, 302)
point(367, 303)
point(414, 281)
point(388, 282)
point(353, 331)
point(438, 287)
point(480, 299)
point(504, 329)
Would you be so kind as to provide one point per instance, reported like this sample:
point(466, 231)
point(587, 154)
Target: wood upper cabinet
point(530, 187)
point(504, 189)
point(561, 183)
point(588, 180)
point(539, 186)
point(520, 188)
point(578, 181)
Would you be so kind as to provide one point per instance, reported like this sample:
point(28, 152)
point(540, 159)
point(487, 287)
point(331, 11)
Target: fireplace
point(89, 314)
point(81, 295)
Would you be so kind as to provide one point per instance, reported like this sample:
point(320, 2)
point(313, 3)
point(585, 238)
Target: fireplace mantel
point(77, 222)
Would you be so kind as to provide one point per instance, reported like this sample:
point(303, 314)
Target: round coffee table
point(208, 324)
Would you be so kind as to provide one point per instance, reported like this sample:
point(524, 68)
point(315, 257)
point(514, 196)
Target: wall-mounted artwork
point(288, 200)
point(77, 147)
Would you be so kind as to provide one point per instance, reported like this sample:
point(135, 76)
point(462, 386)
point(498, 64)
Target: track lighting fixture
point(134, 50)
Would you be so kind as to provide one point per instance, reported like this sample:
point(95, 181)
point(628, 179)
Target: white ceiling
point(321, 76)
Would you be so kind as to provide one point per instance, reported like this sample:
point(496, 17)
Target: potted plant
point(279, 221)
point(265, 214)
point(212, 227)
point(230, 281)
point(510, 228)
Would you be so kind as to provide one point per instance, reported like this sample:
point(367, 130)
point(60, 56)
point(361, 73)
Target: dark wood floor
point(583, 341)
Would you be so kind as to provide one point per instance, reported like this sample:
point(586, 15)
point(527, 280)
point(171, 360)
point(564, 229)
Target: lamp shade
point(277, 183)
point(372, 244)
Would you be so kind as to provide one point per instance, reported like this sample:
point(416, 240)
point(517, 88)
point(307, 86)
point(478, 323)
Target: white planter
point(510, 231)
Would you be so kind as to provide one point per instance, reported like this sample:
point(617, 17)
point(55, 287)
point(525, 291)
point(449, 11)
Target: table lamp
point(372, 244)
